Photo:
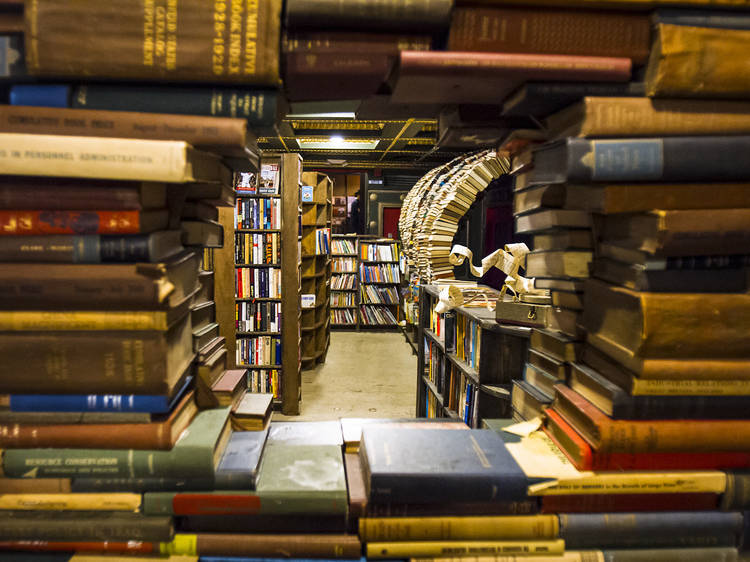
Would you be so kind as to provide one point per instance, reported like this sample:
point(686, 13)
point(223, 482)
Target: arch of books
point(433, 207)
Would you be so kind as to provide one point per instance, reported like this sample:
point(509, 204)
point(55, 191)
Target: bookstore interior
point(210, 210)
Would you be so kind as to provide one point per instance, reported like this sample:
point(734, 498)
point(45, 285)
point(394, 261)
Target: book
point(552, 219)
point(541, 99)
point(208, 234)
point(253, 411)
point(670, 529)
point(83, 526)
point(139, 286)
point(438, 549)
point(351, 428)
point(231, 387)
point(160, 43)
point(31, 223)
point(584, 457)
point(326, 546)
point(71, 502)
point(646, 117)
point(627, 503)
point(527, 400)
point(240, 463)
point(107, 158)
point(486, 78)
point(425, 16)
point(670, 73)
point(297, 478)
point(550, 30)
point(224, 136)
point(73, 362)
point(162, 433)
point(667, 159)
point(91, 248)
point(393, 529)
point(567, 263)
point(696, 232)
point(12, 57)
point(196, 454)
point(556, 370)
point(261, 523)
point(567, 299)
point(427, 466)
point(640, 277)
point(554, 344)
point(521, 314)
point(647, 436)
point(619, 404)
point(306, 433)
point(563, 240)
point(664, 325)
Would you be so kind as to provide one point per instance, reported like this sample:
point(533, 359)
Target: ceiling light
point(337, 162)
point(337, 142)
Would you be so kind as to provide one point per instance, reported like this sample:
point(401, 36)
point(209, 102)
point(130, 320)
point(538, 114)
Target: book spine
point(89, 403)
point(737, 495)
point(56, 463)
point(139, 485)
point(667, 461)
point(380, 550)
point(117, 527)
point(628, 503)
point(644, 530)
point(12, 55)
point(390, 15)
point(196, 130)
point(572, 32)
point(257, 107)
point(68, 362)
point(151, 436)
point(63, 248)
point(88, 546)
point(345, 42)
point(22, 320)
point(659, 159)
point(187, 503)
point(534, 527)
point(71, 502)
point(636, 483)
point(163, 41)
point(385, 488)
point(674, 70)
point(40, 95)
point(272, 546)
point(69, 222)
point(678, 407)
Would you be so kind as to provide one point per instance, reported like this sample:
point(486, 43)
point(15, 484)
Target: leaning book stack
point(650, 378)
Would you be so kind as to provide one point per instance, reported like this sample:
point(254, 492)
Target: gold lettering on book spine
point(235, 37)
point(171, 56)
point(219, 42)
point(148, 32)
point(251, 37)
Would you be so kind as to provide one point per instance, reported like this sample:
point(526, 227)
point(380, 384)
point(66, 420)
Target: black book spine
point(693, 281)
point(124, 249)
point(679, 407)
point(258, 107)
point(139, 485)
point(675, 159)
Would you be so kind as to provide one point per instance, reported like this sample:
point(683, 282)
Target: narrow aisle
point(366, 375)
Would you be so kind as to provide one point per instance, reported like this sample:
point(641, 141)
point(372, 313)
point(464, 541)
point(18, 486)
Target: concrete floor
point(366, 375)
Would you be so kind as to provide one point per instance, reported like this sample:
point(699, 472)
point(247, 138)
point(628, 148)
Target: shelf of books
point(379, 283)
point(315, 239)
point(344, 281)
point(466, 360)
point(265, 261)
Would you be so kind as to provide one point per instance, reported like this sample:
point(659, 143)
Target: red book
point(487, 78)
point(215, 504)
point(584, 457)
point(627, 503)
point(24, 223)
point(103, 546)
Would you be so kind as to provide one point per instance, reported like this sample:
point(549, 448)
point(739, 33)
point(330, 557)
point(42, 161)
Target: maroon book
point(626, 503)
point(488, 78)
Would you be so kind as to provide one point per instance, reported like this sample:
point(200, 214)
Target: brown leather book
point(162, 41)
point(161, 434)
point(487, 78)
point(551, 30)
point(230, 387)
point(223, 135)
point(298, 546)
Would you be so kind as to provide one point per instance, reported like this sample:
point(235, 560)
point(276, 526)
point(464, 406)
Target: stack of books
point(433, 207)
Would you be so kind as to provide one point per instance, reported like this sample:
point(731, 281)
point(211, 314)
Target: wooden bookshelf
point(278, 294)
point(466, 362)
point(344, 301)
point(379, 282)
point(315, 237)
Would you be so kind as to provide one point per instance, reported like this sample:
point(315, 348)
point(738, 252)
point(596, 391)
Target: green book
point(195, 455)
point(302, 479)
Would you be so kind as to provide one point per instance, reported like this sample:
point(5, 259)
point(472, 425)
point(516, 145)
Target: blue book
point(407, 465)
point(40, 95)
point(238, 468)
point(703, 18)
point(130, 403)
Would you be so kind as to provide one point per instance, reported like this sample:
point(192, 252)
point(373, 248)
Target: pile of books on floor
point(433, 207)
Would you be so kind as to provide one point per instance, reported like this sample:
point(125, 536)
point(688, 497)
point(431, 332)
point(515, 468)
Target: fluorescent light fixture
point(338, 142)
point(337, 115)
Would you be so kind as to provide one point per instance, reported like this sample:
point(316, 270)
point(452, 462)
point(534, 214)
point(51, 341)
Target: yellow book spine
point(389, 529)
point(182, 544)
point(567, 556)
point(379, 550)
point(709, 481)
point(34, 320)
point(71, 502)
point(94, 157)
point(662, 387)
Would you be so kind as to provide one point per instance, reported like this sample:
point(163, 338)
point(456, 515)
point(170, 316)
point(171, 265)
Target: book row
point(259, 350)
point(258, 214)
point(257, 249)
point(258, 316)
point(258, 283)
point(383, 273)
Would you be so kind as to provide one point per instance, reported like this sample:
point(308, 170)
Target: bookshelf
point(267, 280)
point(315, 236)
point(379, 283)
point(466, 362)
point(344, 281)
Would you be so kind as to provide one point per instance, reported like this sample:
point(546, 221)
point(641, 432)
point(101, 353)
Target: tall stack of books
point(659, 390)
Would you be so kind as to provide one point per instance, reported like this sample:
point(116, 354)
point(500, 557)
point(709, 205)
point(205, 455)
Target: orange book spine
point(23, 223)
